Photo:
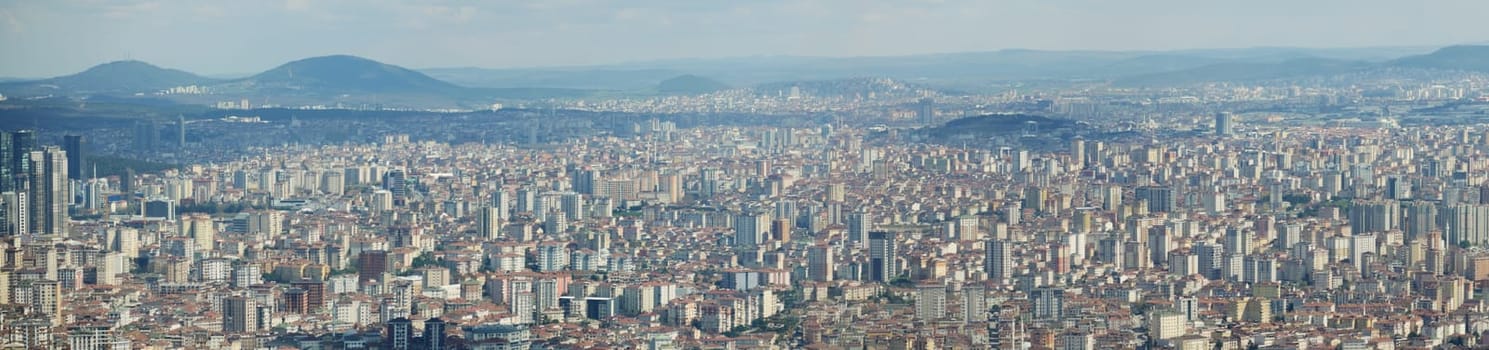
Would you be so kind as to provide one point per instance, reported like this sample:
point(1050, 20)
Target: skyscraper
point(1161, 199)
point(394, 182)
point(572, 204)
point(17, 147)
point(1223, 124)
point(49, 191)
point(239, 315)
point(882, 254)
point(999, 260)
point(974, 302)
point(488, 223)
point(749, 228)
point(1048, 303)
point(73, 145)
point(1374, 216)
point(7, 160)
point(858, 227)
point(14, 213)
point(501, 200)
point(930, 302)
point(434, 334)
point(925, 110)
point(181, 131)
point(820, 263)
point(146, 134)
point(1398, 188)
point(399, 334)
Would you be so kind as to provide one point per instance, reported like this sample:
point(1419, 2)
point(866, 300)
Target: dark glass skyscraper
point(882, 254)
point(7, 155)
point(18, 146)
point(50, 193)
point(73, 144)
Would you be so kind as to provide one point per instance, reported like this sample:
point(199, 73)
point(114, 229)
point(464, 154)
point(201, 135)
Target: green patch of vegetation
point(902, 282)
point(1297, 199)
point(425, 259)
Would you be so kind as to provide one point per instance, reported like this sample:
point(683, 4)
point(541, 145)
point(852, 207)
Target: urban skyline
point(1329, 196)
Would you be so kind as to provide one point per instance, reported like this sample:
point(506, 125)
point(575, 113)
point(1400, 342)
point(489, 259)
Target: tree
point(425, 259)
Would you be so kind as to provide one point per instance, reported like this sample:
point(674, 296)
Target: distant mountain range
point(688, 84)
point(107, 78)
point(1459, 58)
point(351, 80)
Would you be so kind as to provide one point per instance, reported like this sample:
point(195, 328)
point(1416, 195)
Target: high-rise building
point(1078, 153)
point(750, 229)
point(974, 303)
point(999, 262)
point(925, 111)
point(1161, 199)
point(1223, 124)
point(434, 334)
point(15, 167)
point(1466, 223)
point(7, 162)
point(585, 181)
point(1048, 304)
point(1398, 188)
point(669, 187)
point(50, 192)
point(315, 293)
point(930, 302)
point(858, 227)
point(882, 254)
point(1165, 324)
point(394, 181)
point(501, 200)
point(1209, 260)
point(31, 333)
point(181, 131)
point(16, 213)
point(488, 223)
point(398, 334)
point(146, 135)
point(43, 296)
point(1420, 218)
point(94, 337)
point(1374, 216)
point(572, 204)
point(73, 145)
point(820, 262)
point(239, 315)
point(371, 265)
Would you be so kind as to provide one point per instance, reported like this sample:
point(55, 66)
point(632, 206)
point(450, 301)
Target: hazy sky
point(53, 37)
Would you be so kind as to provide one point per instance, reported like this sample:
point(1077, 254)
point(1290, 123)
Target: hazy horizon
point(46, 39)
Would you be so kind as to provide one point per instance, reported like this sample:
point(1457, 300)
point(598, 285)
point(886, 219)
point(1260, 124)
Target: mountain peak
point(126, 76)
point(346, 74)
point(1459, 57)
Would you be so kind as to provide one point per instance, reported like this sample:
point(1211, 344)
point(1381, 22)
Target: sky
point(41, 38)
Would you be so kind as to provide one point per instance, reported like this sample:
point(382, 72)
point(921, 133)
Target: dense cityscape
point(793, 175)
point(1254, 230)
